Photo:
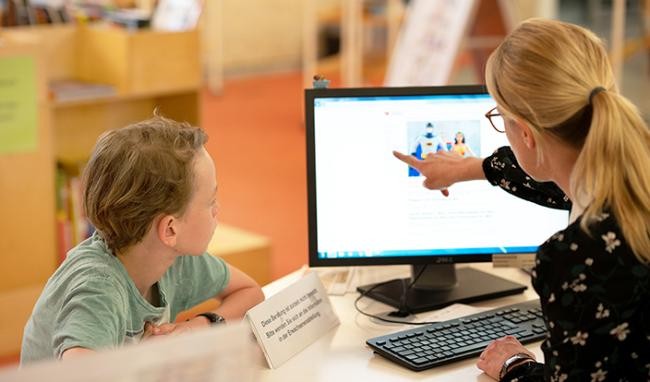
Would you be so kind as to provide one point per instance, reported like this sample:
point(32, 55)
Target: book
point(176, 15)
point(130, 18)
point(74, 90)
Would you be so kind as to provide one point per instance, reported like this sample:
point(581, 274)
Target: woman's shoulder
point(602, 246)
point(578, 272)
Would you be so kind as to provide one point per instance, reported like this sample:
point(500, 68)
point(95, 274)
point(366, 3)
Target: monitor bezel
point(310, 96)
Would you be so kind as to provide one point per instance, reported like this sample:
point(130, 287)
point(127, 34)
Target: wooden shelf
point(148, 69)
point(353, 21)
point(75, 137)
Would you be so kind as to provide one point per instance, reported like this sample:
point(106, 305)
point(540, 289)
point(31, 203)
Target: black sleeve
point(594, 294)
point(501, 169)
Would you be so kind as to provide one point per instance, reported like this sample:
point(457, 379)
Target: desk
point(341, 354)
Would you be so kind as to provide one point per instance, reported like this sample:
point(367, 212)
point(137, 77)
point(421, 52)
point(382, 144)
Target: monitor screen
point(366, 207)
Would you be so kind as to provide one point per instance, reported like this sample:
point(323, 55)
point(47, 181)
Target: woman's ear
point(167, 230)
point(526, 134)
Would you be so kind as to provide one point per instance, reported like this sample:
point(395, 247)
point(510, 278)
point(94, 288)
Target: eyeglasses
point(499, 121)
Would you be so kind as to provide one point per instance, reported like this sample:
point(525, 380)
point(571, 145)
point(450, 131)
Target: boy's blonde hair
point(137, 173)
point(545, 73)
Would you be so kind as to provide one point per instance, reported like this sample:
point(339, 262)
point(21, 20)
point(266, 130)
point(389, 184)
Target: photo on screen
point(427, 137)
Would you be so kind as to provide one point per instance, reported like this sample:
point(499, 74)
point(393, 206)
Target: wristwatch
point(512, 361)
point(214, 318)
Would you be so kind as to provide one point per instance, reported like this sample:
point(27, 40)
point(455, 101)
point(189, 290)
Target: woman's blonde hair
point(137, 173)
point(547, 73)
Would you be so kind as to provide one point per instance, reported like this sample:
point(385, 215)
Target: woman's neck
point(562, 159)
point(562, 162)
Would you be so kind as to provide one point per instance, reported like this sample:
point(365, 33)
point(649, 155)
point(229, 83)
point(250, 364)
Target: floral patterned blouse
point(594, 292)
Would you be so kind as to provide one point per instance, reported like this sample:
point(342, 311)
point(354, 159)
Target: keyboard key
point(420, 360)
point(524, 334)
point(470, 348)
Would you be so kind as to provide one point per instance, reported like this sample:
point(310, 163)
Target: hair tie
point(595, 91)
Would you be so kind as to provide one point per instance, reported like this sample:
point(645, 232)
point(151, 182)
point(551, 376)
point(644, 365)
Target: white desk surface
point(342, 355)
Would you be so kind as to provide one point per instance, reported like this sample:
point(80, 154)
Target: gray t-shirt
point(91, 302)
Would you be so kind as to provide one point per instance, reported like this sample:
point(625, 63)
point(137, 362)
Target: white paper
point(222, 353)
point(292, 319)
point(451, 312)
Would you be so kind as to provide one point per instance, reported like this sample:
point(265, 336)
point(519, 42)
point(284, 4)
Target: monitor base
point(472, 285)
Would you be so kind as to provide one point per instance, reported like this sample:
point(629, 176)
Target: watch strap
point(215, 319)
point(512, 361)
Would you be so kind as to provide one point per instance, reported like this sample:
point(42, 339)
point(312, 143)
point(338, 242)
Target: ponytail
point(613, 170)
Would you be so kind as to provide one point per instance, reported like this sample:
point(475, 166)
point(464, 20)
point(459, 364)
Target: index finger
point(408, 159)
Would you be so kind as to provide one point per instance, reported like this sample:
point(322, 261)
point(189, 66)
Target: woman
point(575, 143)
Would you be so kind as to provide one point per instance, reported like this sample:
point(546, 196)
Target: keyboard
point(437, 344)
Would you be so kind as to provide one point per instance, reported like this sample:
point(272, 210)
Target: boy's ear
point(166, 230)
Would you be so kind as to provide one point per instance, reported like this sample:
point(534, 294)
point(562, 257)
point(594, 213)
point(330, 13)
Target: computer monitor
point(368, 208)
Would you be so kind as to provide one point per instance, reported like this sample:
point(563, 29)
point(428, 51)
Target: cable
point(402, 303)
point(404, 309)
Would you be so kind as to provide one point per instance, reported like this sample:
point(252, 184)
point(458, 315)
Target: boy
point(150, 191)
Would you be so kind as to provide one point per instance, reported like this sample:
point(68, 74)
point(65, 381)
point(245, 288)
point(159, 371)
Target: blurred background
point(72, 69)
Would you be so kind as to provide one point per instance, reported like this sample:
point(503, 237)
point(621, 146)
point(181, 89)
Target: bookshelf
point(26, 181)
point(26, 201)
point(146, 68)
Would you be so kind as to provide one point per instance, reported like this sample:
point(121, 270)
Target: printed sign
point(292, 319)
point(428, 42)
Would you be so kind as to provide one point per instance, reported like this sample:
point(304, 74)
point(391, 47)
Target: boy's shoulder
point(90, 261)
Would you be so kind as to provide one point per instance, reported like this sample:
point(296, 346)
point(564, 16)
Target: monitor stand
point(439, 285)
